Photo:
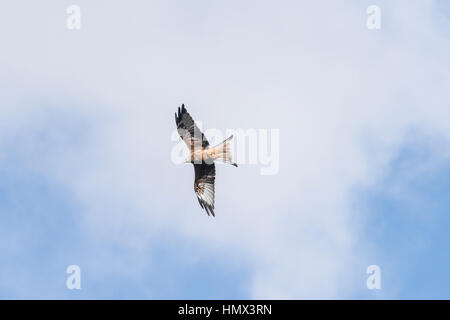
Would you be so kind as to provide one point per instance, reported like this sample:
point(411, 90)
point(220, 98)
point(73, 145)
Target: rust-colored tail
point(223, 151)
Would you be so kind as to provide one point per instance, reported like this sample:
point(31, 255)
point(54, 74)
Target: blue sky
point(412, 222)
point(86, 176)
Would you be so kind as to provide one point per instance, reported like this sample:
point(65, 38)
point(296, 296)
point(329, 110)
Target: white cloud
point(343, 97)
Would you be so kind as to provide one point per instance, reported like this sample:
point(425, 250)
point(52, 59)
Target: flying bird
point(202, 156)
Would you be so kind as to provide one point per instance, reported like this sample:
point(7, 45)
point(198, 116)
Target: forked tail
point(223, 152)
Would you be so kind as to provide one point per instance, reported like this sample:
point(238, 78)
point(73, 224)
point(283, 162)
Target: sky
point(86, 170)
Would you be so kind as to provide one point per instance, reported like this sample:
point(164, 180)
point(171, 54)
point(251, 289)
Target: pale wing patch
point(205, 175)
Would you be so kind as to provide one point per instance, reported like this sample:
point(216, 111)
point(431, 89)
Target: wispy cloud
point(344, 98)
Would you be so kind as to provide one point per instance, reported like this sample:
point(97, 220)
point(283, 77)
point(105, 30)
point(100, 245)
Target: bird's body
point(202, 156)
point(207, 155)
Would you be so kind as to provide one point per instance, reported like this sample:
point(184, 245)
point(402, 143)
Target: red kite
point(202, 156)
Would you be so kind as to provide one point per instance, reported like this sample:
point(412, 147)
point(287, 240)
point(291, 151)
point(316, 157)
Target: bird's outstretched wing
point(205, 175)
point(188, 130)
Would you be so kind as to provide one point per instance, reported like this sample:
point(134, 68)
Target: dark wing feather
point(205, 174)
point(188, 130)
